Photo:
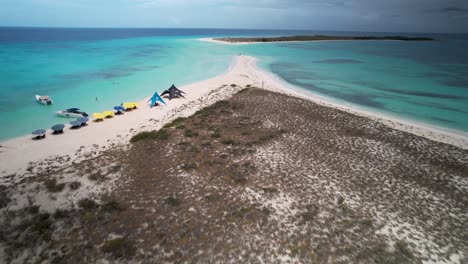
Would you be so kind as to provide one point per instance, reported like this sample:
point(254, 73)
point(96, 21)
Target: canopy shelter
point(98, 116)
point(58, 129)
point(83, 120)
point(155, 99)
point(108, 114)
point(119, 109)
point(130, 105)
point(173, 92)
point(75, 124)
point(39, 134)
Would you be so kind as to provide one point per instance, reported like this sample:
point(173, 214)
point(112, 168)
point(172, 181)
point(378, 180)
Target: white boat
point(44, 99)
point(72, 112)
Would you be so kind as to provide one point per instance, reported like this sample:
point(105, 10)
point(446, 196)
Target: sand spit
point(86, 142)
point(259, 177)
point(240, 181)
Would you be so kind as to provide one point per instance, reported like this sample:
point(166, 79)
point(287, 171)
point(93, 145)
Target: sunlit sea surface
point(96, 69)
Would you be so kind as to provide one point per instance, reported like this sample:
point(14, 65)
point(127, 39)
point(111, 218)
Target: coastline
point(89, 141)
point(432, 132)
point(212, 40)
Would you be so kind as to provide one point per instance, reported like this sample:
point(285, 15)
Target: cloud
point(452, 9)
point(355, 15)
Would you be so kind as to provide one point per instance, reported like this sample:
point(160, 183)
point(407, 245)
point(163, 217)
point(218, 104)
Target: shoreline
point(212, 40)
point(89, 141)
point(444, 135)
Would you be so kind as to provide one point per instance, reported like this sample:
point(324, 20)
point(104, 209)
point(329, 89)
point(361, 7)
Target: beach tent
point(119, 109)
point(108, 114)
point(156, 98)
point(83, 120)
point(98, 116)
point(130, 105)
point(39, 133)
point(75, 124)
point(58, 129)
point(173, 92)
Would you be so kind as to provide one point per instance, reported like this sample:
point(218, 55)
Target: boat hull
point(44, 102)
point(69, 115)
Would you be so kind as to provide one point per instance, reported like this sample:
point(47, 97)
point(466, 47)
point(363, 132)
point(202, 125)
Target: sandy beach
point(234, 171)
point(98, 136)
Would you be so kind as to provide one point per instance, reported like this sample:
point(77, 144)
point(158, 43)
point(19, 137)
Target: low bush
point(162, 134)
point(52, 186)
point(87, 204)
point(118, 248)
point(190, 133)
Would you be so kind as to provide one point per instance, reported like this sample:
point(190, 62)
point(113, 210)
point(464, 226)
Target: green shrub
point(118, 248)
point(173, 201)
point(112, 205)
point(229, 141)
point(42, 224)
point(162, 134)
point(216, 135)
point(52, 186)
point(175, 122)
point(74, 185)
point(87, 204)
point(59, 213)
point(190, 133)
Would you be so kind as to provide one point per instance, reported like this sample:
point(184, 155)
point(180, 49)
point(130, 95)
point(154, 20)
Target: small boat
point(72, 112)
point(44, 99)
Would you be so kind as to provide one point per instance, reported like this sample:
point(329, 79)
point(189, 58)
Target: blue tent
point(156, 98)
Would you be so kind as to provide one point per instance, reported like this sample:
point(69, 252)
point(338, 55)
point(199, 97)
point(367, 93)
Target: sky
point(437, 16)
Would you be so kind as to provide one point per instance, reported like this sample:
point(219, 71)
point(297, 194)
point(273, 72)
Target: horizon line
point(265, 29)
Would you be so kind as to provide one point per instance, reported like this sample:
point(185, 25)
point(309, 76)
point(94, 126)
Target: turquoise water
point(75, 74)
point(424, 81)
point(421, 81)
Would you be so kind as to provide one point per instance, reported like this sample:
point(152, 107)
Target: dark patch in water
point(443, 120)
point(287, 72)
point(144, 51)
point(435, 74)
point(106, 73)
point(424, 94)
point(293, 71)
point(362, 99)
point(339, 61)
point(456, 82)
point(440, 106)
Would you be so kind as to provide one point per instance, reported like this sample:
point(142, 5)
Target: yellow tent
point(98, 116)
point(108, 113)
point(130, 105)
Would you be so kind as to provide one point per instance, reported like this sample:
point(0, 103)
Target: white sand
point(229, 43)
point(16, 154)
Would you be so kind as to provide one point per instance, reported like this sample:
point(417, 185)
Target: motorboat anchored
point(72, 112)
point(44, 99)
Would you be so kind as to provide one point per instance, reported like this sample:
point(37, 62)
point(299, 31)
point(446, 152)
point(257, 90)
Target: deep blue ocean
point(423, 81)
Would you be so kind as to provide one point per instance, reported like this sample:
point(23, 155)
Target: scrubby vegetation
point(161, 134)
point(119, 248)
point(242, 181)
